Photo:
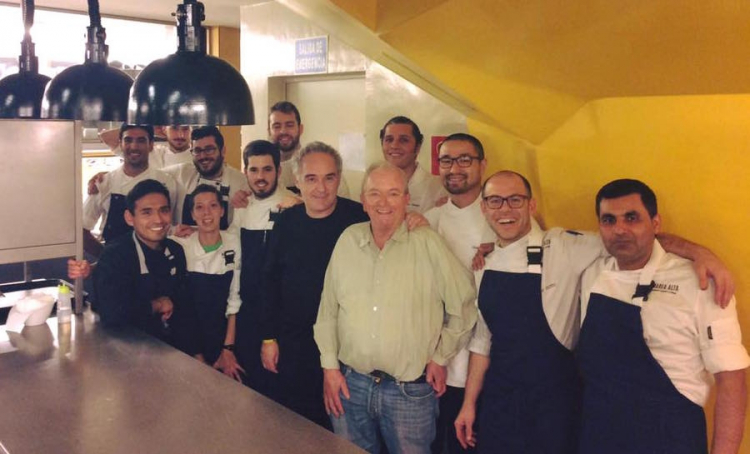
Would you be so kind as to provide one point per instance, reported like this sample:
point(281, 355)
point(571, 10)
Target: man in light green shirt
point(396, 306)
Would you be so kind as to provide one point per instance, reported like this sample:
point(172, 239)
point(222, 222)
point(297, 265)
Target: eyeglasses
point(446, 162)
point(495, 202)
point(207, 151)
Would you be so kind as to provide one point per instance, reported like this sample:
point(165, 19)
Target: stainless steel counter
point(87, 390)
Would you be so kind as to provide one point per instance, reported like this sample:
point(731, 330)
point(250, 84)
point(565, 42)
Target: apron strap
point(534, 252)
point(141, 257)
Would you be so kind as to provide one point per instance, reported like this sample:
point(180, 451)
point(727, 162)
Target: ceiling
point(218, 12)
point(528, 65)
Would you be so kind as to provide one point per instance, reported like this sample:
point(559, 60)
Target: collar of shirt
point(401, 234)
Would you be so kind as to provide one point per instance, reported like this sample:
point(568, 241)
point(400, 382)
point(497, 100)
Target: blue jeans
point(403, 414)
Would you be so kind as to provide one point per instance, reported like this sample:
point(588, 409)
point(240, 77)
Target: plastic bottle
point(64, 307)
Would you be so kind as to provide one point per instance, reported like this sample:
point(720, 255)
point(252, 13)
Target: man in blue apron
point(521, 352)
point(650, 340)
point(461, 223)
point(140, 279)
point(254, 224)
point(108, 201)
point(207, 167)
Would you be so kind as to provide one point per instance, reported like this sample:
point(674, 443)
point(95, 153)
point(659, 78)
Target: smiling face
point(318, 181)
point(151, 219)
point(385, 199)
point(509, 224)
point(627, 230)
point(207, 157)
point(284, 131)
point(262, 175)
point(457, 179)
point(400, 146)
point(136, 146)
point(178, 137)
point(207, 212)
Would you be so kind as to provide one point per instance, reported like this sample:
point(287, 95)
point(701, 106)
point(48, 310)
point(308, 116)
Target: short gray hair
point(384, 165)
point(316, 147)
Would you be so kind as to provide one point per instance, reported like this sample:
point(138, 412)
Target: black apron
point(249, 338)
point(531, 392)
point(210, 293)
point(630, 405)
point(161, 273)
point(115, 225)
point(187, 216)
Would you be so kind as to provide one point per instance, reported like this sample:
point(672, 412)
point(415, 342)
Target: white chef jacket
point(463, 230)
point(188, 178)
point(424, 190)
point(214, 262)
point(566, 254)
point(687, 333)
point(255, 216)
point(117, 182)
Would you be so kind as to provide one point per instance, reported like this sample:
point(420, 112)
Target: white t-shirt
point(216, 262)
point(463, 230)
point(163, 156)
point(424, 190)
point(687, 333)
point(188, 178)
point(117, 182)
point(566, 255)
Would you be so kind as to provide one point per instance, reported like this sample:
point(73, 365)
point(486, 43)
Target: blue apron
point(115, 225)
point(531, 393)
point(210, 293)
point(630, 405)
point(187, 216)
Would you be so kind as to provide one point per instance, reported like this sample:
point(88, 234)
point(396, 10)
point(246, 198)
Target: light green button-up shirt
point(394, 310)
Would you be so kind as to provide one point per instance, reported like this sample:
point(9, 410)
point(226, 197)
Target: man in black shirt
point(139, 280)
point(301, 245)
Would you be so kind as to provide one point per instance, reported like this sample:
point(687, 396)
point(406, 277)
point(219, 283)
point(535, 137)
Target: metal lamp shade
point(21, 95)
point(190, 88)
point(89, 92)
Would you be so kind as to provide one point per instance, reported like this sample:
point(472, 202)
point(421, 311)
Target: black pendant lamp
point(21, 94)
point(190, 87)
point(93, 91)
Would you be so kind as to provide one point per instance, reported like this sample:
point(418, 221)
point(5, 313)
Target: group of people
point(391, 322)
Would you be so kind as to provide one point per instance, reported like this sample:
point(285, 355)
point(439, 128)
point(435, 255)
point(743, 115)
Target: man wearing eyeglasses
point(207, 168)
point(461, 223)
point(521, 352)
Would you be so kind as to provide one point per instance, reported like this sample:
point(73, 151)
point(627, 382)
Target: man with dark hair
point(461, 223)
point(285, 129)
point(254, 224)
point(401, 141)
point(208, 167)
point(174, 151)
point(521, 352)
point(108, 203)
point(301, 243)
point(140, 279)
point(651, 339)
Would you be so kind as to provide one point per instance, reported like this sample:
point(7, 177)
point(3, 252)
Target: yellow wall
point(692, 150)
point(224, 42)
